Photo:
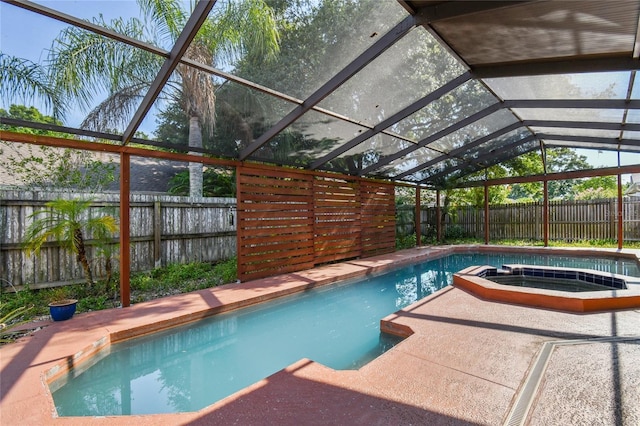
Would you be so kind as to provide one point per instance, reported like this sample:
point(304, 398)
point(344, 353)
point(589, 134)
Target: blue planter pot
point(62, 309)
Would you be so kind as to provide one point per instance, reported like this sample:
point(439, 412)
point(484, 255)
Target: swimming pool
point(188, 368)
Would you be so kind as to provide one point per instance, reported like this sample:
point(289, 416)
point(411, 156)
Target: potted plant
point(61, 310)
point(68, 222)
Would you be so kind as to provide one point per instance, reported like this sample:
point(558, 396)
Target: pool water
point(190, 367)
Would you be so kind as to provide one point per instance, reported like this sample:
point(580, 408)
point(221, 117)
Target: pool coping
point(473, 280)
point(56, 345)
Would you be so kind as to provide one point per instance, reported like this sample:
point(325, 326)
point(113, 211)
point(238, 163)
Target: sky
point(28, 35)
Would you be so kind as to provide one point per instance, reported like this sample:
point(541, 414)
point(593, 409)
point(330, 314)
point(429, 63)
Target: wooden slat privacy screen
point(378, 218)
point(290, 221)
point(337, 220)
point(275, 222)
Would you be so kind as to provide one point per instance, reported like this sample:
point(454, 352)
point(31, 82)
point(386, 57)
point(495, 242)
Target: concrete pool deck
point(468, 361)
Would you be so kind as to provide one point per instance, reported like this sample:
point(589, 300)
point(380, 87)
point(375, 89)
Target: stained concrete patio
point(468, 361)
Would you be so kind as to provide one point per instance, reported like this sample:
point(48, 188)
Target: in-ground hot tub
point(576, 290)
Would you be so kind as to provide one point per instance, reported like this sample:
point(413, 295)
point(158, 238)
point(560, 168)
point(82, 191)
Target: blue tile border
point(594, 277)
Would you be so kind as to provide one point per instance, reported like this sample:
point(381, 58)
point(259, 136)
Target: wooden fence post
point(620, 215)
point(418, 219)
point(125, 238)
point(545, 212)
point(438, 218)
point(486, 213)
point(157, 234)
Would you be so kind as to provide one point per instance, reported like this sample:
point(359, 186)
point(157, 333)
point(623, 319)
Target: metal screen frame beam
point(569, 66)
point(509, 104)
point(86, 25)
point(55, 128)
point(620, 211)
point(375, 50)
point(400, 115)
point(486, 213)
point(198, 16)
point(456, 151)
point(573, 103)
point(454, 9)
point(588, 139)
point(583, 125)
point(479, 159)
point(545, 212)
point(125, 232)
point(442, 133)
point(574, 174)
point(487, 165)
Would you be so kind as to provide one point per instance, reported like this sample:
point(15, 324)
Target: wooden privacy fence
point(163, 229)
point(568, 220)
point(289, 221)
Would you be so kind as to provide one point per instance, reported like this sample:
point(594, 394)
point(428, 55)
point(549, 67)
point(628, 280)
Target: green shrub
point(227, 270)
point(405, 242)
point(454, 232)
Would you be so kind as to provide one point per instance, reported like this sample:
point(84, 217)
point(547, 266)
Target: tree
point(596, 188)
point(22, 79)
point(216, 183)
point(318, 39)
point(563, 160)
point(69, 222)
point(85, 64)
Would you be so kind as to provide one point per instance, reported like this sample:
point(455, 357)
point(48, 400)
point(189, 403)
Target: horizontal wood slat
point(282, 239)
point(290, 221)
point(378, 218)
point(337, 219)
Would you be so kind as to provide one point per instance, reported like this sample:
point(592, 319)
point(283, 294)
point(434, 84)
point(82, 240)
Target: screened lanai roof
point(424, 92)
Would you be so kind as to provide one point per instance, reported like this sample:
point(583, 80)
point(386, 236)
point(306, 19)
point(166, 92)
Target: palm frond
point(167, 15)
point(6, 324)
point(24, 79)
point(246, 26)
point(234, 29)
point(85, 65)
point(116, 110)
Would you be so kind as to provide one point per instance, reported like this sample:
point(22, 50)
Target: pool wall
point(472, 279)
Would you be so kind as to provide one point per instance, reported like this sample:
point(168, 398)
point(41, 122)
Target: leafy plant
point(216, 184)
point(405, 242)
point(454, 231)
point(227, 271)
point(180, 278)
point(22, 79)
point(68, 222)
point(7, 322)
point(173, 279)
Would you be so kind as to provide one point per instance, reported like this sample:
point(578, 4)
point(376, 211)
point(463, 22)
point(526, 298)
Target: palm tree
point(84, 64)
point(24, 79)
point(68, 222)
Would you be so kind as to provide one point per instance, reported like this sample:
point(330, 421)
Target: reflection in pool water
point(190, 367)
